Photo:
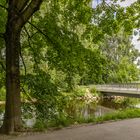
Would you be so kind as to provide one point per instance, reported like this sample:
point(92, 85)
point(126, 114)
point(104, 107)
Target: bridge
point(126, 90)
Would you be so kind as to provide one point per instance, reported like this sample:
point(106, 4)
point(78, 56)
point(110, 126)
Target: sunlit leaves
point(121, 57)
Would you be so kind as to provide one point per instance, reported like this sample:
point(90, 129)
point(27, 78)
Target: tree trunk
point(12, 118)
point(19, 12)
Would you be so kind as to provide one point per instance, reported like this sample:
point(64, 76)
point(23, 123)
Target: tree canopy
point(52, 46)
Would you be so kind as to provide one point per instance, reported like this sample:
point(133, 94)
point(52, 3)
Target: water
point(74, 110)
point(101, 110)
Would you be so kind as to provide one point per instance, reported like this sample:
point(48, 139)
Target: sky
point(135, 40)
point(125, 3)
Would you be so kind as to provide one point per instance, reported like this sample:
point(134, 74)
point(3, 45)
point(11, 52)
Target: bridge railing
point(122, 86)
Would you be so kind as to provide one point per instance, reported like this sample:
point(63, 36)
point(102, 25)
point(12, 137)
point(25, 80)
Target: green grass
point(118, 115)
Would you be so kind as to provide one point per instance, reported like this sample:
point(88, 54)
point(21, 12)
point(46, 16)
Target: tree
point(121, 57)
point(63, 29)
point(59, 27)
point(19, 12)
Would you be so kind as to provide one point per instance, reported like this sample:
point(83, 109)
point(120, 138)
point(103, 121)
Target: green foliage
point(61, 47)
point(2, 94)
point(64, 121)
point(94, 92)
point(40, 84)
point(67, 43)
point(79, 91)
point(3, 19)
point(3, 16)
point(67, 46)
point(94, 62)
point(126, 102)
point(121, 57)
point(119, 115)
point(40, 125)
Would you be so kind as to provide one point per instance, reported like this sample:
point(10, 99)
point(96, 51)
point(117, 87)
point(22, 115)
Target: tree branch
point(114, 10)
point(29, 39)
point(23, 62)
point(22, 5)
point(51, 42)
point(2, 62)
point(29, 97)
point(3, 66)
point(29, 11)
point(3, 7)
point(39, 30)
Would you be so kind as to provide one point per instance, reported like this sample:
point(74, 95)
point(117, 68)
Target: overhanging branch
point(29, 39)
point(23, 62)
point(51, 42)
point(27, 95)
point(3, 7)
point(3, 65)
point(29, 10)
point(22, 5)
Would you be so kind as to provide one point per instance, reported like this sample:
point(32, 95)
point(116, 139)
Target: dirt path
point(120, 130)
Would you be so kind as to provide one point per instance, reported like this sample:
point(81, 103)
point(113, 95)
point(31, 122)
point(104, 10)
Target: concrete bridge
point(127, 90)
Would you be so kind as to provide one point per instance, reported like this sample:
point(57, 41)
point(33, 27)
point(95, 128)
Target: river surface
point(74, 110)
point(82, 110)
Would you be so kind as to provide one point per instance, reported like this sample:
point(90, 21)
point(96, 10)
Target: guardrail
point(123, 86)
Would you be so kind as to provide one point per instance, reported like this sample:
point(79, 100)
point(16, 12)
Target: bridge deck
point(127, 90)
point(126, 93)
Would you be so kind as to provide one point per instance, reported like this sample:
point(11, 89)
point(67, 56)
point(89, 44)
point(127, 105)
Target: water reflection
point(101, 110)
point(74, 110)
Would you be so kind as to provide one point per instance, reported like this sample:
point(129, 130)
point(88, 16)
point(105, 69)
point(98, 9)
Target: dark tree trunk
point(12, 111)
point(12, 118)
point(19, 12)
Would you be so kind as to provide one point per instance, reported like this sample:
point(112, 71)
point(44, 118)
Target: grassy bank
point(120, 115)
point(70, 105)
point(65, 122)
point(69, 109)
point(117, 115)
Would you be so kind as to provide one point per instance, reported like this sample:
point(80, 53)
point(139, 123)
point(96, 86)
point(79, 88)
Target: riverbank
point(81, 106)
point(119, 130)
point(109, 117)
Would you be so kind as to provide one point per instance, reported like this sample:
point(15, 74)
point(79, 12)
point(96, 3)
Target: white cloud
point(126, 2)
point(123, 3)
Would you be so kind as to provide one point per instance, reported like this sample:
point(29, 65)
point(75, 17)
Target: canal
point(78, 109)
